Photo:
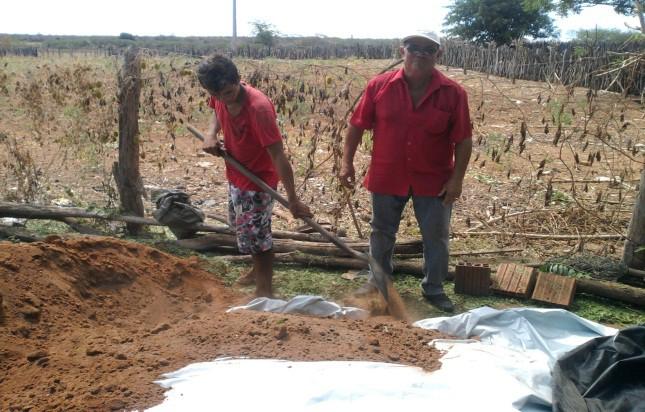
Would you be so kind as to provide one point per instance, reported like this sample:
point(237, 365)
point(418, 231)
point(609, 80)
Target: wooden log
point(612, 290)
point(335, 262)
point(462, 253)
point(21, 210)
point(27, 211)
point(126, 169)
point(82, 229)
point(206, 243)
point(636, 272)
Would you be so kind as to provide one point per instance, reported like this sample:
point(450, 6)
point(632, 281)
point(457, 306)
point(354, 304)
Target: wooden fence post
point(126, 169)
point(636, 235)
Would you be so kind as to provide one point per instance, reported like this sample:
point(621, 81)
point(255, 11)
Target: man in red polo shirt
point(421, 148)
point(251, 136)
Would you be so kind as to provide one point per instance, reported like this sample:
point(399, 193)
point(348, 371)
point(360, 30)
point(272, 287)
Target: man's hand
point(451, 191)
point(347, 175)
point(213, 146)
point(299, 209)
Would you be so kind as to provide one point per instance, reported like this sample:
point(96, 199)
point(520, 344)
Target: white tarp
point(508, 369)
point(514, 351)
point(306, 305)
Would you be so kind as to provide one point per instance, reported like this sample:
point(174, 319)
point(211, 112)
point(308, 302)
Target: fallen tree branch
point(504, 217)
point(28, 211)
point(80, 228)
point(212, 241)
point(335, 262)
point(20, 210)
point(471, 253)
point(541, 235)
point(636, 272)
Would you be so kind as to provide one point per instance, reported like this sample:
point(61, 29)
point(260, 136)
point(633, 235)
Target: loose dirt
point(90, 323)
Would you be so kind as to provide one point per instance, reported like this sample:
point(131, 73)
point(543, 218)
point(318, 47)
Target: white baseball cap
point(425, 35)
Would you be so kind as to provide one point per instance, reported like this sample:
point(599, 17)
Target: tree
point(5, 42)
point(265, 33)
point(634, 251)
point(603, 35)
point(126, 36)
point(564, 7)
point(499, 21)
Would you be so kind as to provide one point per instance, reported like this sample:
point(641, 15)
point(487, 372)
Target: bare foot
point(246, 280)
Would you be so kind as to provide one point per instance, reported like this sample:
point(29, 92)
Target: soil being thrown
point(90, 323)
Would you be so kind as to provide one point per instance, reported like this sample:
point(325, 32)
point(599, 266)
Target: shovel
point(383, 282)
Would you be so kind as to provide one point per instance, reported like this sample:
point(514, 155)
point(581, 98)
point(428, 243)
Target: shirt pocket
point(435, 122)
point(432, 149)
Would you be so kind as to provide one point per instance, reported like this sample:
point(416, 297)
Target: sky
point(332, 18)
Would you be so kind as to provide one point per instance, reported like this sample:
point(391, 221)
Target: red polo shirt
point(412, 147)
point(246, 137)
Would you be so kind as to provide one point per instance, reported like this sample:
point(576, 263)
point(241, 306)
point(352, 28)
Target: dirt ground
point(90, 323)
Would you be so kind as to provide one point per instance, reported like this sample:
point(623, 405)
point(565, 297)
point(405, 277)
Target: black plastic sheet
point(606, 374)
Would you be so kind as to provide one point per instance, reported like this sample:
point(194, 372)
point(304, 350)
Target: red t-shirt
point(246, 137)
point(412, 148)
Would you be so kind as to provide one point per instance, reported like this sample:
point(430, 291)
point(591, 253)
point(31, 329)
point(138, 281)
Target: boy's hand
point(213, 146)
point(299, 209)
point(347, 175)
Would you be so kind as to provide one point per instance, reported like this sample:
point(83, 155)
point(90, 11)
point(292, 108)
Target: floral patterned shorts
point(249, 213)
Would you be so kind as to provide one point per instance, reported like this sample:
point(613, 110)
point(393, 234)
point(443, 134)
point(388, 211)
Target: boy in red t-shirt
point(247, 119)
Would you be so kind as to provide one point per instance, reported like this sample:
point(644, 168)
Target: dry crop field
point(548, 161)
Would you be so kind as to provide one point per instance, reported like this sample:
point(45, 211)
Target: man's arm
point(352, 139)
point(211, 144)
point(285, 172)
point(452, 189)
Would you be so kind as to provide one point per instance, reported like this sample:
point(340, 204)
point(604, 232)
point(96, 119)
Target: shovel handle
point(277, 196)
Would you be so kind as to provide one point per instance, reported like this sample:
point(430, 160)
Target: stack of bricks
point(472, 279)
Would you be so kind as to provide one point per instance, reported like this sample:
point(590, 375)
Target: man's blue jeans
point(434, 222)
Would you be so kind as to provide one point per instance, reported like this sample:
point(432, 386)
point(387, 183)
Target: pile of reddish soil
point(90, 323)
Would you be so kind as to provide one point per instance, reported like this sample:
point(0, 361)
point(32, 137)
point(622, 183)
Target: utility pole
point(234, 39)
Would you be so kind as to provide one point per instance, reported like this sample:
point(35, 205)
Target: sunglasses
point(421, 50)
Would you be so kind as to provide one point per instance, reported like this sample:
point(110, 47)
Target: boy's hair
point(217, 72)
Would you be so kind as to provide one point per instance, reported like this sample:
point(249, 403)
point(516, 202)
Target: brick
point(472, 279)
point(514, 280)
point(555, 289)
